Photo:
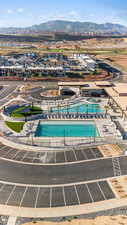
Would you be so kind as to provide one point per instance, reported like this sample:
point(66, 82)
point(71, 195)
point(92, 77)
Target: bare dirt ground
point(117, 60)
point(120, 60)
point(103, 220)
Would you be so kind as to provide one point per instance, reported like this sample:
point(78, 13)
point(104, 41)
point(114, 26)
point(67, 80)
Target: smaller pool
point(81, 108)
point(66, 129)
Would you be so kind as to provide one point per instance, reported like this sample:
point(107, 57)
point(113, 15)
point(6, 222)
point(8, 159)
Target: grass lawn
point(15, 126)
point(30, 111)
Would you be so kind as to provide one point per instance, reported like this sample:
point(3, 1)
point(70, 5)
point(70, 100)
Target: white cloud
point(9, 11)
point(20, 10)
point(73, 13)
point(30, 14)
point(41, 17)
point(72, 16)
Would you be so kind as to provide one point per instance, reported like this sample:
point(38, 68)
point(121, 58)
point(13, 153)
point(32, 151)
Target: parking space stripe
point(1, 189)
point(38, 190)
point(55, 157)
point(84, 154)
point(7, 152)
point(24, 156)
point(93, 153)
point(75, 155)
point(89, 193)
point(10, 195)
point(65, 156)
point(101, 191)
point(77, 194)
point(42, 158)
point(15, 154)
point(46, 156)
point(23, 196)
point(50, 197)
point(64, 196)
point(33, 158)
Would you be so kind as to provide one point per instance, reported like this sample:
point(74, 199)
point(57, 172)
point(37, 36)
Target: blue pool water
point(68, 130)
point(83, 108)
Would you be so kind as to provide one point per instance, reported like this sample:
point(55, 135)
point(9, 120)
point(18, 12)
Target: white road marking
point(38, 190)
point(50, 197)
point(15, 154)
point(65, 156)
point(24, 156)
point(75, 155)
point(92, 151)
point(77, 194)
point(1, 189)
point(89, 193)
point(10, 195)
point(23, 196)
point(84, 154)
point(55, 157)
point(64, 196)
point(101, 191)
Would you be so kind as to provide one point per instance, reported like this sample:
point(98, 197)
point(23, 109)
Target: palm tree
point(78, 108)
point(122, 113)
point(32, 104)
point(106, 107)
point(97, 108)
point(49, 108)
point(58, 108)
point(67, 108)
point(86, 108)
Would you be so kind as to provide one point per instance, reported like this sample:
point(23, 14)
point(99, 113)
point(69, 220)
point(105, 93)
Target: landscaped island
point(26, 111)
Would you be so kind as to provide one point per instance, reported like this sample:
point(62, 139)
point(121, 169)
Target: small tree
point(67, 108)
point(78, 108)
point(86, 108)
point(91, 73)
point(97, 108)
point(32, 104)
point(106, 107)
point(58, 108)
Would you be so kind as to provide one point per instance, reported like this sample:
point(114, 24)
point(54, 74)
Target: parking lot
point(49, 157)
point(41, 197)
point(57, 182)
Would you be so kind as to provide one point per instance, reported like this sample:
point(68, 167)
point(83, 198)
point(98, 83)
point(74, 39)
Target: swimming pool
point(80, 108)
point(66, 129)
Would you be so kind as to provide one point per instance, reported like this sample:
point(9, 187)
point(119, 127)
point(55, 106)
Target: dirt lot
point(107, 220)
point(117, 60)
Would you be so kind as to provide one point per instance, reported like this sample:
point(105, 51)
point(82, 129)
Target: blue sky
point(28, 12)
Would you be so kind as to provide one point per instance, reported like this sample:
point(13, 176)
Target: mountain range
point(67, 27)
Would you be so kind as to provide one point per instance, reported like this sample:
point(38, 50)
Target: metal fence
point(64, 142)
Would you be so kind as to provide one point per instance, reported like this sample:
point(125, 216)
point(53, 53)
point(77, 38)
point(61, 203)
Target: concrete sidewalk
point(12, 220)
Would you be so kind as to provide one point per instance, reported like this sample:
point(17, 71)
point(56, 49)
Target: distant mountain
point(80, 27)
point(67, 26)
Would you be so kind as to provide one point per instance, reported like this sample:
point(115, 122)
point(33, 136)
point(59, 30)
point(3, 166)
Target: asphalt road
point(55, 174)
point(7, 90)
